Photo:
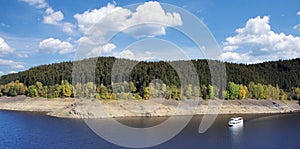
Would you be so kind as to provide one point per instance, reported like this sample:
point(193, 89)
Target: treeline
point(284, 73)
point(127, 90)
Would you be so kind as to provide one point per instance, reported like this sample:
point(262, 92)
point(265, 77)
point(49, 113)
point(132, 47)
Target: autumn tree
point(66, 89)
point(146, 93)
point(242, 91)
point(103, 92)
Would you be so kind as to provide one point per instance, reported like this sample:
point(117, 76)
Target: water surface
point(35, 130)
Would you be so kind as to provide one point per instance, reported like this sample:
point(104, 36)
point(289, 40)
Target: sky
point(36, 32)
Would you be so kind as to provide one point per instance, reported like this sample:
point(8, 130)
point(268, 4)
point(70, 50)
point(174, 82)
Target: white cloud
point(6, 62)
point(56, 18)
point(152, 12)
point(1, 73)
point(230, 48)
point(52, 45)
point(36, 3)
point(106, 49)
point(12, 72)
point(128, 54)
point(4, 47)
point(53, 17)
point(297, 27)
point(19, 66)
point(91, 17)
point(150, 18)
point(261, 43)
point(235, 57)
point(68, 27)
point(20, 55)
point(12, 64)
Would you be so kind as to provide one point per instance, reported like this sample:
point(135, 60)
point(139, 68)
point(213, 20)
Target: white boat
point(235, 122)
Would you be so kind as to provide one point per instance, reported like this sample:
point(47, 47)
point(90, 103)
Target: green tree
point(189, 91)
point(196, 91)
point(225, 95)
point(40, 89)
point(295, 94)
point(233, 90)
point(152, 90)
point(32, 91)
point(253, 93)
point(1, 90)
point(90, 90)
point(164, 90)
point(204, 92)
point(211, 92)
point(58, 92)
point(283, 95)
point(260, 89)
point(79, 91)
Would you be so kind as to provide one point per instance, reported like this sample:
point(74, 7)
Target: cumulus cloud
point(91, 17)
point(19, 66)
point(128, 54)
point(297, 27)
point(150, 18)
point(260, 43)
point(52, 45)
point(12, 64)
point(153, 13)
point(235, 57)
point(5, 48)
point(20, 55)
point(36, 3)
point(12, 72)
point(105, 49)
point(56, 18)
point(53, 17)
point(68, 27)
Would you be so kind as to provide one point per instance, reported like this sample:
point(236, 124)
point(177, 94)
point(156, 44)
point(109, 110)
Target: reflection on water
point(236, 133)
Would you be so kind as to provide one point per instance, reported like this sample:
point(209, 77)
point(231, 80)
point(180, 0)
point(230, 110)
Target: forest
point(276, 80)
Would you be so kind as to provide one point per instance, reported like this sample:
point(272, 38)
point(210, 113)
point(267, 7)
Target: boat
point(235, 122)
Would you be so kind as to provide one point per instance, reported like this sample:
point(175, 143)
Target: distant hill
point(284, 73)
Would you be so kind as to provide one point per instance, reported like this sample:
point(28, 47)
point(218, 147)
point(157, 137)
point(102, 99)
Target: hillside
point(284, 73)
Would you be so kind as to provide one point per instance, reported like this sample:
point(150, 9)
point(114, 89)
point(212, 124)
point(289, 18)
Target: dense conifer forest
point(277, 80)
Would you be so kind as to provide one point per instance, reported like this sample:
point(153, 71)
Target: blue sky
point(35, 32)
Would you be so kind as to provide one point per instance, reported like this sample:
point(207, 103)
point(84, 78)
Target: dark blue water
point(35, 130)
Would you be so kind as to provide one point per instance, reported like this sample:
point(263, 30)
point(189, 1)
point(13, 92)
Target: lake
point(35, 130)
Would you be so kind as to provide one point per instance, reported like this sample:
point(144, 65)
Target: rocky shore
point(84, 108)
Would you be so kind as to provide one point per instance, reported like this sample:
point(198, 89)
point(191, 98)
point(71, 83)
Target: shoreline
point(80, 109)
